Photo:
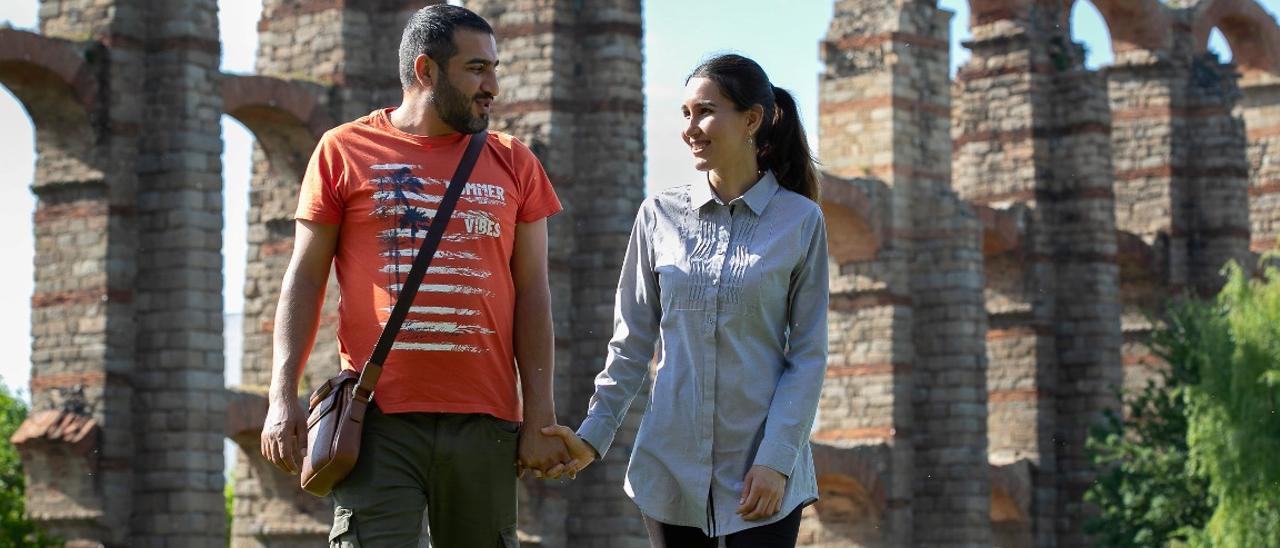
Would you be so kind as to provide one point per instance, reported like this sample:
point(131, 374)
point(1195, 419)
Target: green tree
point(14, 527)
point(1145, 492)
point(1234, 413)
point(1197, 461)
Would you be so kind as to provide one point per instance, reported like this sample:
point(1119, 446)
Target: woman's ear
point(755, 117)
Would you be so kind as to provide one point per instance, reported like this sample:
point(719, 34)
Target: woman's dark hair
point(430, 31)
point(780, 142)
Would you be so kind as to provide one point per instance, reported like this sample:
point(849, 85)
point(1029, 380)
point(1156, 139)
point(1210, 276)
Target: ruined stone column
point(79, 478)
point(178, 463)
point(1032, 140)
point(907, 350)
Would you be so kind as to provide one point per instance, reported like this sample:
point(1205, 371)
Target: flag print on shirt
point(407, 204)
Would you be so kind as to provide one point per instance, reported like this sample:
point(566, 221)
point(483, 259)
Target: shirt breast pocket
point(678, 282)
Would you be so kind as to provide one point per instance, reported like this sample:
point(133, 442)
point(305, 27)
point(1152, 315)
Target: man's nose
point(490, 83)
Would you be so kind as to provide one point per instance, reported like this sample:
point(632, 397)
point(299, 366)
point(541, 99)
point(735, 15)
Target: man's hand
point(540, 453)
point(284, 435)
point(761, 493)
point(581, 451)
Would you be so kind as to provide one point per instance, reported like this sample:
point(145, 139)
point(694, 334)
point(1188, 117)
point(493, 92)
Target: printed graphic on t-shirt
point(407, 204)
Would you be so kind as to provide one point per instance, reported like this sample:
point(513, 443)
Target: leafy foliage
point(1234, 414)
point(1144, 492)
point(1197, 460)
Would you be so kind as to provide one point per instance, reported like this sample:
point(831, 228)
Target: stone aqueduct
point(999, 243)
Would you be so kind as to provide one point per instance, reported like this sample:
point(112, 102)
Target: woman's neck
point(734, 180)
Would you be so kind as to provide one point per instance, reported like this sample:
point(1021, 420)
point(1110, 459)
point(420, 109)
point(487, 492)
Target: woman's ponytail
point(785, 149)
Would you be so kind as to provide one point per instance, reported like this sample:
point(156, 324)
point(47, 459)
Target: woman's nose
point(691, 129)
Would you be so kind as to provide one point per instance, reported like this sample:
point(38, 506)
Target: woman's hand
point(761, 493)
point(581, 454)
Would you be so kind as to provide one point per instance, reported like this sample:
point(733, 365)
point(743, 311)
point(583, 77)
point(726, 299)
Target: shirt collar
point(756, 198)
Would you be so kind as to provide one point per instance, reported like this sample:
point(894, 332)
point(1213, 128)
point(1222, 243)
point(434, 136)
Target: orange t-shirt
point(454, 353)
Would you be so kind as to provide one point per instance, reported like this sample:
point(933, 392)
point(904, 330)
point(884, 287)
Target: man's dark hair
point(430, 31)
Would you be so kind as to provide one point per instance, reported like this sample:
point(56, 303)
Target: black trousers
point(779, 534)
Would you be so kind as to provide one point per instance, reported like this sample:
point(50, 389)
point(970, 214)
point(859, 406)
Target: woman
point(728, 277)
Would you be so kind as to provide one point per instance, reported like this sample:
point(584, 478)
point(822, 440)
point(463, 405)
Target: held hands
point(761, 493)
point(284, 435)
point(544, 455)
point(581, 452)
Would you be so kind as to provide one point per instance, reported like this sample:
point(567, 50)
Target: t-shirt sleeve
point(321, 198)
point(538, 199)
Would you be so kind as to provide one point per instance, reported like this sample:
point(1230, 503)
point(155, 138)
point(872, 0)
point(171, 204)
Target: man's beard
point(454, 108)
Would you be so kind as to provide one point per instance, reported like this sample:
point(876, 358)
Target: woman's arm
point(795, 399)
point(636, 314)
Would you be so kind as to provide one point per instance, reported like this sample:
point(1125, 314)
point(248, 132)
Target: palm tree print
point(400, 184)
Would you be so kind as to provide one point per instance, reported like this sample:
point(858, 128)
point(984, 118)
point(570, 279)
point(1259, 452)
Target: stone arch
point(30, 63)
point(852, 492)
point(1011, 495)
point(57, 86)
point(286, 117)
point(856, 230)
point(1252, 34)
point(1134, 24)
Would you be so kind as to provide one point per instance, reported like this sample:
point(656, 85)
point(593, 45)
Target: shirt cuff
point(598, 433)
point(778, 457)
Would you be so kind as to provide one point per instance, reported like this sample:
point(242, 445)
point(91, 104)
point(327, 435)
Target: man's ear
point(422, 67)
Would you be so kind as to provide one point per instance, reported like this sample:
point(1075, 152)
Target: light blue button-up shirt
point(734, 298)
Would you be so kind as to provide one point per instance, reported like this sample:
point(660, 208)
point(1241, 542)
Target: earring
point(751, 140)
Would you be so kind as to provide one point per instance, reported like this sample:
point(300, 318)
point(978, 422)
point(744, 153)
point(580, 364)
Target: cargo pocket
point(343, 534)
point(508, 539)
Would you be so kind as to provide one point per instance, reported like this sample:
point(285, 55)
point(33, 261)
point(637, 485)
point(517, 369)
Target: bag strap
point(435, 231)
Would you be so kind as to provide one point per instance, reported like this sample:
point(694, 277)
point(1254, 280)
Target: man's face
point(463, 91)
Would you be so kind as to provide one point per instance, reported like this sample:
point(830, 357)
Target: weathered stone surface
point(1001, 247)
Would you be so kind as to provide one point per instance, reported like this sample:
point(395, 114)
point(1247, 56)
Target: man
point(443, 430)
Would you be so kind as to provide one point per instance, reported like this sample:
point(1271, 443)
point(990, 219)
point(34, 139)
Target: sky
point(782, 35)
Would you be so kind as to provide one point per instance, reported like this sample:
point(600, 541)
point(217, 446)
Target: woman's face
point(715, 131)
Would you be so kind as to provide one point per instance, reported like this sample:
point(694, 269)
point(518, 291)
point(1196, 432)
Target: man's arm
point(534, 340)
point(284, 432)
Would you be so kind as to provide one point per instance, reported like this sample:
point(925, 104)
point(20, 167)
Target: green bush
point(1145, 493)
point(1197, 461)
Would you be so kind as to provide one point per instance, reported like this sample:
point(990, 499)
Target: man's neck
point(416, 115)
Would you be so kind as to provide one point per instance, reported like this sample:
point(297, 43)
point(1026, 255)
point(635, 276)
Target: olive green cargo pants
point(460, 467)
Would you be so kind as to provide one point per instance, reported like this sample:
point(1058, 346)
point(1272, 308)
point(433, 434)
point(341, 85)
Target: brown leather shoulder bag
point(337, 408)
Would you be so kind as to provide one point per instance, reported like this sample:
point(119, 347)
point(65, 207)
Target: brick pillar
point(603, 192)
point(178, 464)
point(1032, 135)
point(1180, 166)
point(885, 109)
point(1260, 108)
point(83, 330)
